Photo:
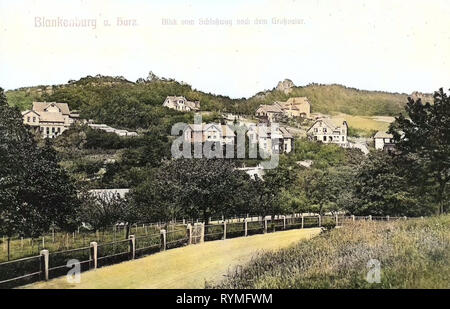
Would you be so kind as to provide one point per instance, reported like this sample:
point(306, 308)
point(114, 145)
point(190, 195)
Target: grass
point(60, 241)
point(186, 267)
point(365, 125)
point(413, 254)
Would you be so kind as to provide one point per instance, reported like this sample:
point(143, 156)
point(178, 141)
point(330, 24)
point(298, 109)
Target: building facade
point(180, 103)
point(329, 131)
point(293, 107)
point(209, 132)
point(384, 141)
point(50, 118)
point(270, 140)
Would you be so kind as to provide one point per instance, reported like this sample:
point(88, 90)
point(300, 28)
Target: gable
point(28, 112)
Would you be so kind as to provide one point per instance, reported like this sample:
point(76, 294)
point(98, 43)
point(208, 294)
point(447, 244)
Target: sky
point(224, 47)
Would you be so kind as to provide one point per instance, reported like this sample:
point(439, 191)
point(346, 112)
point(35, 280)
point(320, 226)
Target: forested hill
point(115, 100)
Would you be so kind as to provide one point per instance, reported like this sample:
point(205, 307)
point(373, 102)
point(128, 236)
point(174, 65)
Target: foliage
point(35, 192)
point(195, 188)
point(423, 139)
point(413, 254)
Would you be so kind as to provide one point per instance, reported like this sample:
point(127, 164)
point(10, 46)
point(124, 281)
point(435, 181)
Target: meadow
point(412, 254)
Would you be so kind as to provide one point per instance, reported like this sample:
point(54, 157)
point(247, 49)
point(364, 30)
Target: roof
point(381, 134)
point(225, 130)
point(286, 133)
point(270, 108)
point(265, 131)
point(40, 107)
point(51, 117)
point(29, 111)
point(332, 123)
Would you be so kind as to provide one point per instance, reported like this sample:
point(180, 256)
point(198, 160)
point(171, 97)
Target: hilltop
point(118, 101)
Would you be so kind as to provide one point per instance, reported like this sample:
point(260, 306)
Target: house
point(50, 118)
point(384, 141)
point(327, 130)
point(181, 104)
point(271, 112)
point(209, 132)
point(278, 141)
point(295, 107)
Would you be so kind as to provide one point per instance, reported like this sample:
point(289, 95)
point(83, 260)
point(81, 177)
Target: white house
point(50, 118)
point(278, 141)
point(383, 141)
point(211, 132)
point(180, 103)
point(327, 130)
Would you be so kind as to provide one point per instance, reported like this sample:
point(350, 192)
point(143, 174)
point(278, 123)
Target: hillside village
point(101, 168)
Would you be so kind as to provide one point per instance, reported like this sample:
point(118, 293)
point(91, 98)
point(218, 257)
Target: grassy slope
point(330, 99)
point(326, 99)
point(413, 254)
point(186, 267)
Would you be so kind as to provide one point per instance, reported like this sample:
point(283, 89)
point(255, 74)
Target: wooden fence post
point(93, 255)
point(245, 227)
point(202, 234)
point(132, 246)
point(337, 219)
point(404, 217)
point(320, 220)
point(370, 217)
point(387, 218)
point(265, 225)
point(163, 240)
point(353, 218)
point(44, 264)
point(224, 230)
point(189, 233)
point(284, 222)
point(303, 221)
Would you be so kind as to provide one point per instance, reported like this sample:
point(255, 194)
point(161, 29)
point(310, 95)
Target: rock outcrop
point(285, 86)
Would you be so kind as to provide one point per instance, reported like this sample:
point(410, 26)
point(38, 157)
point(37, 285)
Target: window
point(34, 119)
point(325, 130)
point(59, 130)
point(53, 130)
point(28, 119)
point(343, 138)
point(324, 138)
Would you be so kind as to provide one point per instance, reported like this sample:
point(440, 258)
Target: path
point(186, 267)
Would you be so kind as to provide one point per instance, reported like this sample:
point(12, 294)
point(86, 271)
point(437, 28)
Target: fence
point(47, 265)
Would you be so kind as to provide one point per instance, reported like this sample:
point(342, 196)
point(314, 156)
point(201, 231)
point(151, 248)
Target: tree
point(382, 188)
point(196, 188)
point(267, 193)
point(328, 190)
point(423, 138)
point(35, 192)
point(103, 210)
